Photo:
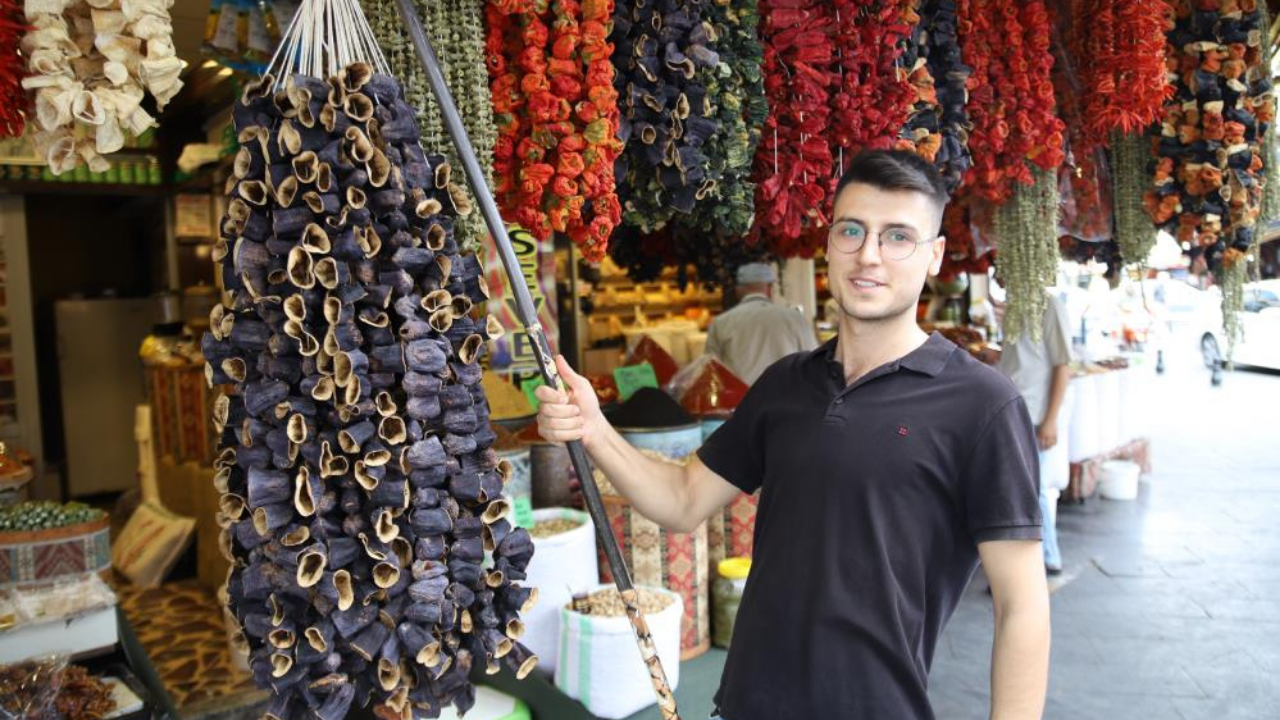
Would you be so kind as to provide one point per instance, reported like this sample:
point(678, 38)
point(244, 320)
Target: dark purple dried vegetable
point(359, 489)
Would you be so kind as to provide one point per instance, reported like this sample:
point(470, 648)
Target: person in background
point(1041, 369)
point(757, 332)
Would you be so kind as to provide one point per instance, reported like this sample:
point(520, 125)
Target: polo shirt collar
point(928, 359)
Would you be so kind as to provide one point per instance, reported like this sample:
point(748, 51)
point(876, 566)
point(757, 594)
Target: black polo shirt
point(874, 497)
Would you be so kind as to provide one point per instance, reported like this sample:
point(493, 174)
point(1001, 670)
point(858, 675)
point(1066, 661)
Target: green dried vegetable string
point(1027, 252)
point(456, 31)
point(1135, 233)
point(1231, 279)
point(736, 87)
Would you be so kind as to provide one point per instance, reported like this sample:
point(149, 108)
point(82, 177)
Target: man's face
point(874, 283)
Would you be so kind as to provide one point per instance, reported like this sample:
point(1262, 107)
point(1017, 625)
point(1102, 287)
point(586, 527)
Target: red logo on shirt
point(903, 431)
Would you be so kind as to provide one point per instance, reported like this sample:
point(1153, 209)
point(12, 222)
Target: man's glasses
point(848, 236)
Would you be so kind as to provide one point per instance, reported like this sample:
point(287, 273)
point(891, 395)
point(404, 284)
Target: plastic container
point(726, 596)
point(1119, 480)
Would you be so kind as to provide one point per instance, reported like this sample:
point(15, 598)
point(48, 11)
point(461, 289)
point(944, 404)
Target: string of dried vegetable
point(1012, 107)
point(1208, 179)
point(1270, 206)
point(1118, 54)
point(736, 89)
point(557, 117)
point(456, 30)
point(1083, 179)
point(1231, 277)
point(938, 126)
point(1026, 230)
point(794, 163)
point(1130, 156)
point(663, 54)
point(14, 104)
point(874, 96)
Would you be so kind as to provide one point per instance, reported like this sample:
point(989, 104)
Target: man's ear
point(939, 252)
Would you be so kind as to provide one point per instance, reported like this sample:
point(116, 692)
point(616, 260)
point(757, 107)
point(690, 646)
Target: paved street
point(1169, 606)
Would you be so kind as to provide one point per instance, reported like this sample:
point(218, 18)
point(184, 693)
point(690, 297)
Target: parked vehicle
point(1260, 326)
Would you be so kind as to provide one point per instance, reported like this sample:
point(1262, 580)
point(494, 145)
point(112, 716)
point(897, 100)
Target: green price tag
point(633, 377)
point(528, 386)
point(524, 511)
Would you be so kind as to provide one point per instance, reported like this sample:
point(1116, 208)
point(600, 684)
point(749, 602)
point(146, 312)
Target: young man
point(757, 332)
point(890, 462)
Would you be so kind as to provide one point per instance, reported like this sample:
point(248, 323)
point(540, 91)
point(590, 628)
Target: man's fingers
point(561, 410)
point(547, 394)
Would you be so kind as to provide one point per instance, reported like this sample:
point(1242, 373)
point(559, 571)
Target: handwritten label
point(631, 378)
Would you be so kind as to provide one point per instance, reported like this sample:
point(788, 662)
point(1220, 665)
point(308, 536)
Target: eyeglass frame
point(877, 235)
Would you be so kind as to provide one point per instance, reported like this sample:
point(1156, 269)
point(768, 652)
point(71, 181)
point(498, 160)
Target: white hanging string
point(323, 37)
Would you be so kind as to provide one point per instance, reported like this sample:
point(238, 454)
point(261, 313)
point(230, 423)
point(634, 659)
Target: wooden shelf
point(41, 187)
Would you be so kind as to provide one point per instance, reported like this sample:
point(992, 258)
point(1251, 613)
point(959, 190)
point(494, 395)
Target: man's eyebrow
point(888, 226)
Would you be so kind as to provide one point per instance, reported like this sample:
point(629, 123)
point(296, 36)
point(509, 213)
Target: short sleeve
point(1000, 480)
point(1056, 335)
point(735, 451)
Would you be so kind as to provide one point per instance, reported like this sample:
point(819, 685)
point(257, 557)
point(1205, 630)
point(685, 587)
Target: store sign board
point(515, 353)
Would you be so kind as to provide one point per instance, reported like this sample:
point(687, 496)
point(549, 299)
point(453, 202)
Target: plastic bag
point(706, 387)
point(29, 688)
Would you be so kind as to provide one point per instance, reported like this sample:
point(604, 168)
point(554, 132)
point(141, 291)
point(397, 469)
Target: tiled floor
point(1170, 605)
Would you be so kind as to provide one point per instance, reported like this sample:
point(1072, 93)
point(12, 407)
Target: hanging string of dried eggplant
point(735, 88)
point(457, 35)
point(664, 53)
point(1130, 157)
point(1026, 230)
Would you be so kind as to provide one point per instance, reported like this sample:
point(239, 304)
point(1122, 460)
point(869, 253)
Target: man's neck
point(864, 346)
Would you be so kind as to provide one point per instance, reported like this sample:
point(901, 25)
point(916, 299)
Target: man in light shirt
point(1041, 369)
point(757, 332)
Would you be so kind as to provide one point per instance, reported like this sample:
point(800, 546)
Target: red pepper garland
point(1118, 49)
point(875, 96)
point(794, 166)
point(557, 114)
point(835, 84)
point(1012, 107)
point(13, 99)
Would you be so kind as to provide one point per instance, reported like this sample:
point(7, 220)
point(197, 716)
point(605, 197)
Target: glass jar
point(726, 595)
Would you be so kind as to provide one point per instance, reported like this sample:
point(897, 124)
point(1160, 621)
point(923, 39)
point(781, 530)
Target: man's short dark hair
point(896, 170)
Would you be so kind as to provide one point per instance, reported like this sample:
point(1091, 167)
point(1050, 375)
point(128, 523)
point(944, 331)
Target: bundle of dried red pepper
point(794, 166)
point(1117, 50)
point(13, 99)
point(557, 116)
point(1012, 106)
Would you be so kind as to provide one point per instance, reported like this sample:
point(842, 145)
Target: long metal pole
point(529, 317)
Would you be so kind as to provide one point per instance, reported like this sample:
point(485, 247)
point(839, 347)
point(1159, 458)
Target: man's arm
point(1020, 651)
point(677, 498)
point(1047, 430)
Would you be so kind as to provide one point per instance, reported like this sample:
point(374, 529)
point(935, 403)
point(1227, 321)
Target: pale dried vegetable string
point(1027, 253)
point(1135, 233)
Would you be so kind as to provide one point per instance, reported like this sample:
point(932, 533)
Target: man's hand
point(1047, 434)
point(573, 416)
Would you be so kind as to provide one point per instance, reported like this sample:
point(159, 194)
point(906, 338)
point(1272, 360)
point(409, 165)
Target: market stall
point(273, 250)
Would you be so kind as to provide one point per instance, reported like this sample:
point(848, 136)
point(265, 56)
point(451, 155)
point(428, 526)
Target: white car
point(1260, 323)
